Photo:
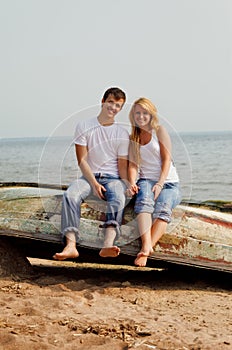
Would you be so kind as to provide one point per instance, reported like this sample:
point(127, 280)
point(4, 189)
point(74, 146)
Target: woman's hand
point(157, 188)
point(132, 190)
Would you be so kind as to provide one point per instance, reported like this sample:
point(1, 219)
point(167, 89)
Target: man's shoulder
point(85, 128)
point(122, 129)
point(87, 124)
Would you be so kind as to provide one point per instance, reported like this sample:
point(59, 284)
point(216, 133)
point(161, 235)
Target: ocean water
point(203, 161)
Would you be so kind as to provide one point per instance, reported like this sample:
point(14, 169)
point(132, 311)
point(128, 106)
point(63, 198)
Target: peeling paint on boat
point(196, 236)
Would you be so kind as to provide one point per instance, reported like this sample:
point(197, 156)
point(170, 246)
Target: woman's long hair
point(145, 103)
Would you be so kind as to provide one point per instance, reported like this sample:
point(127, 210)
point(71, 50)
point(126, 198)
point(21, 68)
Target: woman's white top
point(150, 167)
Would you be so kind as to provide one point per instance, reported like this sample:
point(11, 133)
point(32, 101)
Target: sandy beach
point(69, 305)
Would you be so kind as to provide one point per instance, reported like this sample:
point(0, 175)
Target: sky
point(59, 56)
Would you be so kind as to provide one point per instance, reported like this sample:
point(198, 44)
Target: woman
point(152, 175)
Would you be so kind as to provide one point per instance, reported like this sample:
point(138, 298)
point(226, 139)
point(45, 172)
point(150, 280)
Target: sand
point(66, 305)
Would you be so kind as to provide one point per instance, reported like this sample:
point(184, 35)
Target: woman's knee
point(162, 211)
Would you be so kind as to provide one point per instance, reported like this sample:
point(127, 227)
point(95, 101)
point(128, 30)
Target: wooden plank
point(196, 236)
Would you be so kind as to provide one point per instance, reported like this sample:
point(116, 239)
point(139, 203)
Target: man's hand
point(98, 190)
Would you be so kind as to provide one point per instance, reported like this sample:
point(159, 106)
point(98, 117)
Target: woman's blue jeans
point(161, 208)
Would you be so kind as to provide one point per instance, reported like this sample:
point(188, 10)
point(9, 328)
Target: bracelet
point(161, 186)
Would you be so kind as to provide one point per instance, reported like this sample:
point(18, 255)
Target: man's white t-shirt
point(105, 144)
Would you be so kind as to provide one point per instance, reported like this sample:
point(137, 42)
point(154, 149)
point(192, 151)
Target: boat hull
point(196, 236)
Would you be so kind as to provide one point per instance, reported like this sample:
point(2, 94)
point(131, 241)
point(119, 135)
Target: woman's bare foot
point(69, 252)
point(141, 259)
point(112, 252)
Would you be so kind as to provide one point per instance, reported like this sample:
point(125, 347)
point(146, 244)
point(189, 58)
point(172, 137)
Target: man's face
point(111, 106)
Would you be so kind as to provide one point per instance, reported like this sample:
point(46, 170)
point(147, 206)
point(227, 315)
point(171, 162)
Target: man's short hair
point(116, 92)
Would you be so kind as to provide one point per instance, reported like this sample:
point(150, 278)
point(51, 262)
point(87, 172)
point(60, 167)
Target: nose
point(113, 107)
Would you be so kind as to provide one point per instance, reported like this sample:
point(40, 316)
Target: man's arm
point(132, 172)
point(81, 154)
point(123, 168)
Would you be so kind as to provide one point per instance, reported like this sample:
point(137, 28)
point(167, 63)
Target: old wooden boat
point(30, 217)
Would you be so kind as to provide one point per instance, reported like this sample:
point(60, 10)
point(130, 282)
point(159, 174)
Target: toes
point(141, 259)
point(109, 252)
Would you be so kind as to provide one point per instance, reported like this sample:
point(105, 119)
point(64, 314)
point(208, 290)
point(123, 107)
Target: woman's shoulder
point(161, 132)
point(163, 137)
point(160, 129)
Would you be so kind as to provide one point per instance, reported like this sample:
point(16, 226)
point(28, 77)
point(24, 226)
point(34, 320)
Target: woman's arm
point(165, 155)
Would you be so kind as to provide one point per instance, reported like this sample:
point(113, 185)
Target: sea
point(203, 161)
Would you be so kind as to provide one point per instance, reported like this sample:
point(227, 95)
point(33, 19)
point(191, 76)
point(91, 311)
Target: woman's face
point(141, 116)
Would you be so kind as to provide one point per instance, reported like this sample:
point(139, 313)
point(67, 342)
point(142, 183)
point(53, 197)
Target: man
point(101, 150)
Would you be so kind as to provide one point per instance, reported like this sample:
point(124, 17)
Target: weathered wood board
point(196, 236)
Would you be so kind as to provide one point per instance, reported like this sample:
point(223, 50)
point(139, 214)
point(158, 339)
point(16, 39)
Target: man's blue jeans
point(80, 189)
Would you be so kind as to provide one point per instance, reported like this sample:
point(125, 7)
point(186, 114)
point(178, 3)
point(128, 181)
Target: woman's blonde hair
point(136, 131)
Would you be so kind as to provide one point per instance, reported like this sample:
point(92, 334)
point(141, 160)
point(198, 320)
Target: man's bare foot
point(69, 252)
point(112, 252)
point(141, 259)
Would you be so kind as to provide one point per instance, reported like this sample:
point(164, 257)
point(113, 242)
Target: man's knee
point(116, 193)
